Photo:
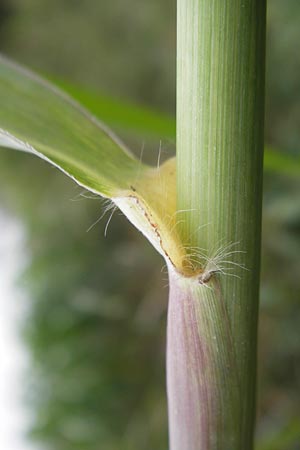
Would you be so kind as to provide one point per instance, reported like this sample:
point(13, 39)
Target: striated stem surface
point(204, 397)
point(220, 115)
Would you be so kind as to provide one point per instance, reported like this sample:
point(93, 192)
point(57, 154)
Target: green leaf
point(281, 163)
point(285, 438)
point(140, 120)
point(38, 118)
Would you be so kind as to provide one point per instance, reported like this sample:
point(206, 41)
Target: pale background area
point(14, 416)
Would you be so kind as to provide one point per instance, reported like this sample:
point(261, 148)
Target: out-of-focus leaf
point(281, 163)
point(285, 439)
point(140, 120)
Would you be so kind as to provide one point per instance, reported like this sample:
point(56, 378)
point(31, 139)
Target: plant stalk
point(203, 387)
point(220, 116)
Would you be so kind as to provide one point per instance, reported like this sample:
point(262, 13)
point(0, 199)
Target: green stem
point(220, 112)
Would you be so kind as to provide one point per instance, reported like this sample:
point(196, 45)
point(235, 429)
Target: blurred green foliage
point(97, 324)
point(122, 48)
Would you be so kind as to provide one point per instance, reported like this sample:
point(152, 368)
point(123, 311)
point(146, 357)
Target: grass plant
point(200, 210)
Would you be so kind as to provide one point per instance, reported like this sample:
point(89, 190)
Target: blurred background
point(83, 317)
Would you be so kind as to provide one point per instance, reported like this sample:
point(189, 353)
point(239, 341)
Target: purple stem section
point(204, 404)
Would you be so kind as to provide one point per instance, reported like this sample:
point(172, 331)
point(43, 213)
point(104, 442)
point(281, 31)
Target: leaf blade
point(38, 118)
